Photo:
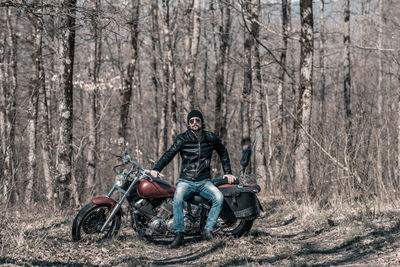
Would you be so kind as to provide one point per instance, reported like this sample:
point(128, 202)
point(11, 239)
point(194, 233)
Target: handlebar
point(117, 166)
point(127, 159)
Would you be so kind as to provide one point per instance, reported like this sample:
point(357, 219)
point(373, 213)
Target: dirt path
point(284, 236)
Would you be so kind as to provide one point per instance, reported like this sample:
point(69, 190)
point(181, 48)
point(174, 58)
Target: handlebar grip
point(159, 175)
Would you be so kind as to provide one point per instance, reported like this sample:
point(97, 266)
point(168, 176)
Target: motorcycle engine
point(163, 220)
point(159, 219)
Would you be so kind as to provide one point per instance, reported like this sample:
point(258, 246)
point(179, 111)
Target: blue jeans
point(185, 189)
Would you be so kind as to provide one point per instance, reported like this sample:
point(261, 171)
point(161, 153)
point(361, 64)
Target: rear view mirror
point(121, 143)
point(245, 157)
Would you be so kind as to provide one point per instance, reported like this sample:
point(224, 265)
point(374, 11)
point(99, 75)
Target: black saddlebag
point(239, 203)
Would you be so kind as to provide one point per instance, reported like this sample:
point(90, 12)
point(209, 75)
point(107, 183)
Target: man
point(195, 146)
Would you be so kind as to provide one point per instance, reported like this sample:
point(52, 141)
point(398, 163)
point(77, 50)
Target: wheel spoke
point(236, 228)
point(88, 223)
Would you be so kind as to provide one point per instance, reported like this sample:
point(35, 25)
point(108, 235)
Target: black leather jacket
point(196, 155)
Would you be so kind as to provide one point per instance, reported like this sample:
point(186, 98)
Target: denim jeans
point(185, 189)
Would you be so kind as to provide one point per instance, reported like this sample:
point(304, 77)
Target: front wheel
point(87, 224)
point(236, 228)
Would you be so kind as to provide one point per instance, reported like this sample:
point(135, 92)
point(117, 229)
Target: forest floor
point(287, 234)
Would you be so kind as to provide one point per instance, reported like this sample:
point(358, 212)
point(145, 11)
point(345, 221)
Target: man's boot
point(178, 240)
point(207, 235)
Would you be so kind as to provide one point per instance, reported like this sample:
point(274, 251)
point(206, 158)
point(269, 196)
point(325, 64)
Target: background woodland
point(318, 80)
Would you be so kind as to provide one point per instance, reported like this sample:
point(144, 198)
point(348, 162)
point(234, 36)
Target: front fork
point(117, 206)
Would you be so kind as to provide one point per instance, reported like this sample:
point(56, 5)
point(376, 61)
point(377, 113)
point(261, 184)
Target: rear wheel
point(236, 228)
point(87, 224)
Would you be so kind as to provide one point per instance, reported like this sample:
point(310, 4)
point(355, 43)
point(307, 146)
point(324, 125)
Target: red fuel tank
point(155, 188)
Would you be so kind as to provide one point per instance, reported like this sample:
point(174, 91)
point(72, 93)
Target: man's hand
point(230, 177)
point(154, 173)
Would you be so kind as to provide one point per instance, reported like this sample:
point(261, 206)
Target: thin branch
point(376, 48)
point(267, 49)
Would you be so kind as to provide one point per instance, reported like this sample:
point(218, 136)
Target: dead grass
point(287, 234)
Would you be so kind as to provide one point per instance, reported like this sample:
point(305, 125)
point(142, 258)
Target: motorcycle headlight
point(118, 180)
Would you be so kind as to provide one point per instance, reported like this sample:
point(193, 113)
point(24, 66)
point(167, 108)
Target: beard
point(197, 129)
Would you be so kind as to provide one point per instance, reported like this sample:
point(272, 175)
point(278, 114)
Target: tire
point(89, 220)
point(238, 228)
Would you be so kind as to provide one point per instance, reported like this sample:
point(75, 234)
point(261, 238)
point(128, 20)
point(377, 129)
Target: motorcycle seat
point(196, 199)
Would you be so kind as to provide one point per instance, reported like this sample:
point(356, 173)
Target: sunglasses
point(191, 121)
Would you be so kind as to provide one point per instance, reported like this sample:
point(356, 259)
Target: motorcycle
point(150, 205)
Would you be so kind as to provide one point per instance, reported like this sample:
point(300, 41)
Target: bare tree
point(47, 101)
point(94, 69)
point(171, 86)
point(9, 86)
point(3, 182)
point(222, 43)
point(380, 93)
point(166, 56)
point(258, 95)
point(398, 127)
point(282, 88)
point(156, 80)
point(245, 105)
point(65, 149)
point(192, 41)
point(126, 94)
point(35, 84)
point(322, 61)
point(46, 141)
point(302, 150)
point(347, 78)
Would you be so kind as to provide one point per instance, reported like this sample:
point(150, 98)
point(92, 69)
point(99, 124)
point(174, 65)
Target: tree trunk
point(46, 131)
point(192, 41)
point(9, 87)
point(35, 83)
point(380, 105)
point(221, 49)
point(245, 112)
point(126, 94)
point(206, 96)
point(90, 181)
point(46, 142)
point(65, 148)
point(94, 70)
point(174, 108)
point(347, 81)
point(258, 116)
point(398, 132)
point(302, 151)
point(291, 61)
point(3, 133)
point(322, 63)
point(167, 56)
point(155, 48)
point(174, 121)
point(281, 92)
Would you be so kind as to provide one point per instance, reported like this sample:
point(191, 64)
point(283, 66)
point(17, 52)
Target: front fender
point(108, 201)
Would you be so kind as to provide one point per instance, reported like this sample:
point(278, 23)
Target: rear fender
point(107, 201)
point(254, 187)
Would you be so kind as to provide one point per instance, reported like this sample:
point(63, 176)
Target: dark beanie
point(195, 113)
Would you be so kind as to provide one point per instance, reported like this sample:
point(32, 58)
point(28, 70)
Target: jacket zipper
point(198, 161)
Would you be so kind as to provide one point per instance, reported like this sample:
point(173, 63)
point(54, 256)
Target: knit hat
point(195, 113)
